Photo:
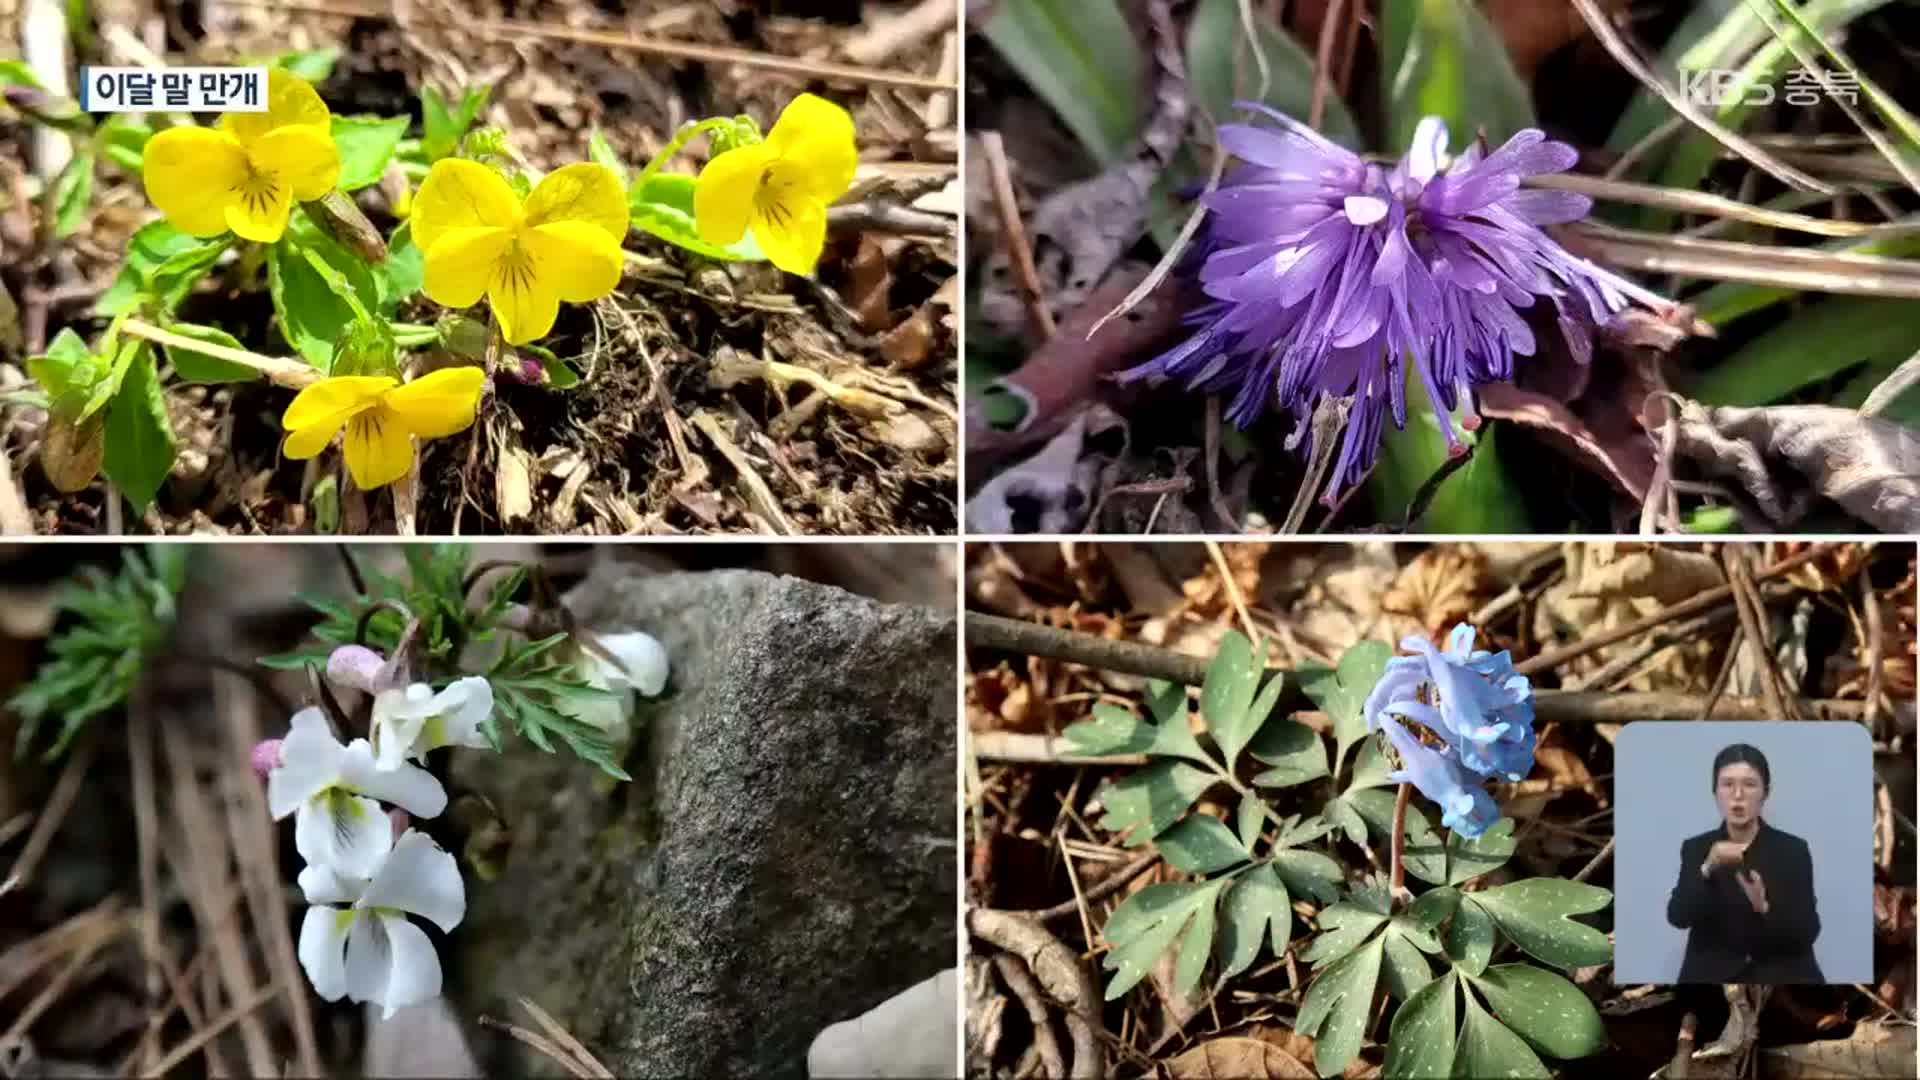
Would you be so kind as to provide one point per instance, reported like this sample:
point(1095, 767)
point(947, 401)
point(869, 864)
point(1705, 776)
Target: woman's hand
point(1723, 853)
point(1755, 888)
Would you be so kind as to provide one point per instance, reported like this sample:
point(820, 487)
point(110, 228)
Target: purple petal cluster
point(1325, 274)
point(1481, 709)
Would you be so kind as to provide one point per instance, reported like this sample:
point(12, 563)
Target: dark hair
point(1741, 753)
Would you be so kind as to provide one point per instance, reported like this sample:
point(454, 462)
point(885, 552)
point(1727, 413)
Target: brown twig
point(1013, 232)
point(1746, 602)
point(1397, 852)
point(1020, 981)
point(65, 790)
point(1876, 649)
point(1322, 59)
point(1059, 972)
point(1109, 885)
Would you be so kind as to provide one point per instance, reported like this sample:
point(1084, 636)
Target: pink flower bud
point(526, 370)
point(400, 821)
point(356, 667)
point(266, 757)
point(517, 617)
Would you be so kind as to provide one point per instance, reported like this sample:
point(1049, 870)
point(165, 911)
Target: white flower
point(408, 723)
point(368, 950)
point(331, 791)
point(642, 662)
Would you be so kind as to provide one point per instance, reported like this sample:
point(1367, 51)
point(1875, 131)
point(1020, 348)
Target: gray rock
point(783, 859)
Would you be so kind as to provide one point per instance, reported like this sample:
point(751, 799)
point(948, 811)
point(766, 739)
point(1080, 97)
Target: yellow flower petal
point(260, 213)
point(290, 100)
point(462, 264)
point(724, 194)
point(584, 191)
point(791, 234)
point(816, 135)
point(299, 156)
point(579, 261)
point(461, 194)
point(525, 304)
point(192, 174)
point(438, 404)
point(377, 448)
point(319, 410)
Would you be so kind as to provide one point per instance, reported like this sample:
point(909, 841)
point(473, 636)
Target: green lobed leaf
point(1149, 921)
point(444, 124)
point(662, 205)
point(1343, 928)
point(1469, 936)
point(1144, 803)
point(1249, 818)
point(1489, 1048)
point(1468, 859)
point(1421, 1040)
point(1537, 914)
point(1081, 58)
point(1424, 855)
point(1256, 908)
point(1370, 766)
point(1222, 69)
point(140, 442)
point(198, 366)
point(1406, 965)
point(123, 139)
point(1196, 947)
point(67, 367)
point(162, 262)
point(1552, 1014)
point(1227, 694)
point(1293, 749)
point(406, 269)
point(1115, 730)
point(105, 388)
point(314, 315)
point(1345, 818)
point(1201, 844)
point(1442, 58)
point(1342, 693)
point(313, 65)
point(366, 144)
point(1338, 1008)
point(1309, 873)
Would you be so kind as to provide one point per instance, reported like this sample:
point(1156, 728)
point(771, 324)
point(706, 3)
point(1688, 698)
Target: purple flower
point(1326, 273)
point(1465, 806)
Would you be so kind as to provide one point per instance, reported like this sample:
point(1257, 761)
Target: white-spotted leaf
point(1145, 803)
point(1538, 915)
point(1420, 1043)
point(1546, 1010)
point(1338, 1007)
point(1200, 845)
point(1256, 907)
point(1342, 693)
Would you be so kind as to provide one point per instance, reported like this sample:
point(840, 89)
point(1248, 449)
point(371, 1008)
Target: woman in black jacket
point(1745, 892)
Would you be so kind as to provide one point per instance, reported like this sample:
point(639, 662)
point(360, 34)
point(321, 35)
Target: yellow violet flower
point(563, 244)
point(781, 187)
point(246, 173)
point(381, 415)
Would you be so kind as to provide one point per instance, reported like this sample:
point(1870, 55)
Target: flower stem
point(293, 374)
point(1399, 863)
point(681, 139)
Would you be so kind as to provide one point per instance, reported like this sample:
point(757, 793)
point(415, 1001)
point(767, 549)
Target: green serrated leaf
point(1342, 693)
point(1293, 749)
point(366, 144)
point(1339, 1006)
point(1468, 859)
point(1222, 70)
point(1145, 803)
point(1227, 694)
point(1537, 914)
point(1421, 1040)
point(662, 204)
point(1201, 844)
point(1489, 1048)
point(140, 443)
point(198, 367)
point(1424, 855)
point(1552, 1014)
point(1256, 908)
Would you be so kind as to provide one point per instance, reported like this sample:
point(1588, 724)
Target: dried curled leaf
point(1787, 456)
point(1872, 1050)
point(1237, 1056)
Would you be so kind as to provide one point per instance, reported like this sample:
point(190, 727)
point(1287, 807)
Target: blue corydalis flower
point(1479, 707)
point(1326, 273)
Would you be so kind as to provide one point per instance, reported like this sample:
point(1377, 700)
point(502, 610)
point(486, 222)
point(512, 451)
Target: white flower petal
point(1365, 209)
point(422, 878)
point(398, 716)
point(369, 958)
point(310, 760)
point(409, 787)
point(349, 833)
point(323, 941)
point(1429, 149)
point(462, 707)
point(323, 884)
point(414, 972)
point(643, 662)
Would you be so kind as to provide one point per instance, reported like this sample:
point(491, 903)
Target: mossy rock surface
point(782, 860)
